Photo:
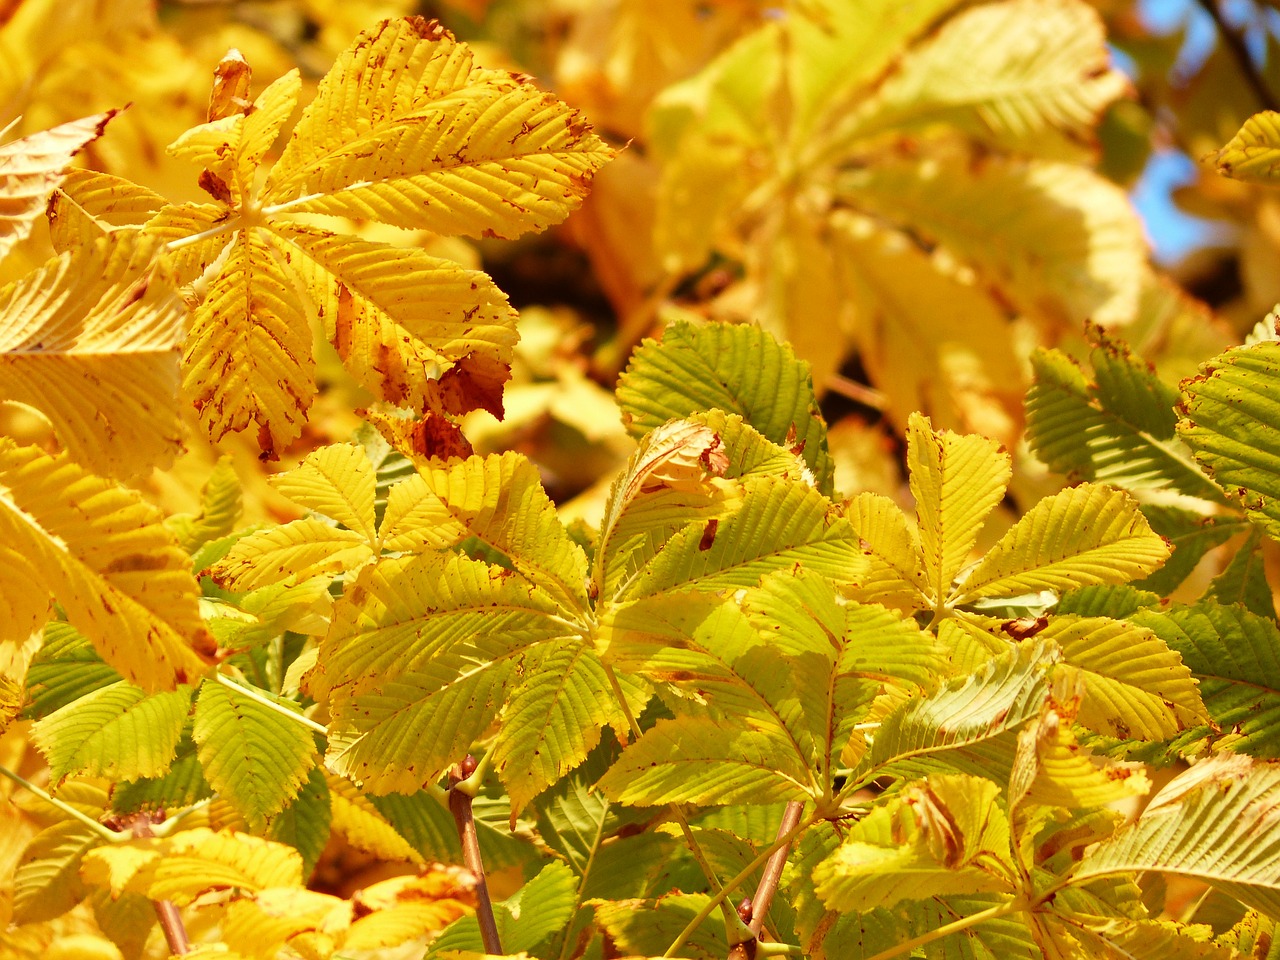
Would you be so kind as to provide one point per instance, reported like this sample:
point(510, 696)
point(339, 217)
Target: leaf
point(415, 330)
point(1191, 535)
point(777, 525)
point(116, 731)
point(1119, 430)
point(33, 167)
point(647, 927)
point(956, 481)
point(893, 550)
point(1030, 76)
point(250, 754)
point(304, 824)
point(65, 669)
point(1244, 580)
point(1135, 687)
point(1235, 656)
point(693, 760)
point(1252, 154)
point(336, 481)
point(362, 824)
point(248, 355)
point(91, 340)
point(221, 501)
point(539, 909)
point(1004, 694)
point(412, 642)
point(737, 369)
point(1216, 822)
point(89, 204)
point(106, 556)
point(406, 130)
point(945, 837)
point(1080, 536)
point(46, 883)
point(181, 867)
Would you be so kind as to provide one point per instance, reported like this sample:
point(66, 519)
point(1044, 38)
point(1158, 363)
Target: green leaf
point(538, 910)
point(1244, 580)
point(1001, 696)
point(1191, 535)
point(1216, 822)
point(250, 754)
point(1080, 536)
point(1119, 429)
point(220, 505)
point(1253, 154)
point(1228, 417)
point(181, 786)
point(647, 927)
point(736, 368)
point(66, 669)
point(116, 731)
point(957, 480)
point(428, 827)
point(304, 823)
point(1235, 655)
point(946, 837)
point(1136, 687)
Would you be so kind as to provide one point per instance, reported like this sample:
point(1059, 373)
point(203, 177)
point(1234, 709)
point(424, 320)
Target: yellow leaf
point(405, 129)
point(364, 827)
point(1253, 154)
point(31, 168)
point(91, 341)
point(896, 577)
point(291, 553)
point(248, 355)
point(107, 557)
point(181, 867)
point(89, 204)
point(336, 481)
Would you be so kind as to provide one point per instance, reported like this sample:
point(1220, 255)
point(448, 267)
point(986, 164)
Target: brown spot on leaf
point(215, 186)
point(134, 562)
point(708, 534)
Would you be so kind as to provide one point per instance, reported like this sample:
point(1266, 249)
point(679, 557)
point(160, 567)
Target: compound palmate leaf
point(108, 559)
point(405, 130)
point(91, 340)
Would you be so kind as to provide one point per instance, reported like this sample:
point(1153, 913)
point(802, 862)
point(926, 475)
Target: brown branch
point(1235, 45)
point(460, 806)
point(767, 887)
point(175, 933)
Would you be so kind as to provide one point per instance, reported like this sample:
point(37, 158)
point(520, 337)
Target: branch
point(1235, 45)
point(768, 886)
point(175, 933)
point(460, 807)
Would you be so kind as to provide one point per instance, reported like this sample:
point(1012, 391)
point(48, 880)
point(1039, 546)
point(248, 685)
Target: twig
point(1235, 44)
point(175, 933)
point(106, 833)
point(460, 807)
point(768, 885)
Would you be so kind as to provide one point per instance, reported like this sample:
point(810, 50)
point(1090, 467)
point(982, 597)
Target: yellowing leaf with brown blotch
point(105, 555)
point(248, 356)
point(89, 204)
point(1253, 154)
point(32, 168)
point(91, 341)
point(407, 130)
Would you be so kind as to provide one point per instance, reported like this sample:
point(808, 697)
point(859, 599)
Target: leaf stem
point(105, 832)
point(743, 876)
point(768, 885)
point(964, 923)
point(460, 807)
point(227, 226)
point(270, 704)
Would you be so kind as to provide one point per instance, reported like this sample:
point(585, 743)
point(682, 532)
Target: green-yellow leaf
point(1084, 535)
point(47, 881)
point(956, 480)
point(251, 755)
